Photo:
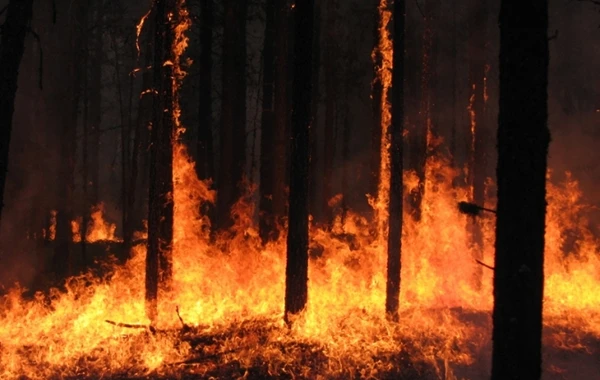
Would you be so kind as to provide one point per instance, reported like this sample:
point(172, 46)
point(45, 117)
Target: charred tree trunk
point(315, 98)
point(523, 139)
point(205, 164)
point(296, 279)
point(205, 151)
point(267, 224)
point(283, 74)
point(477, 128)
point(73, 33)
point(160, 208)
point(233, 114)
point(330, 113)
point(377, 92)
point(396, 152)
point(453, 158)
point(12, 46)
point(419, 144)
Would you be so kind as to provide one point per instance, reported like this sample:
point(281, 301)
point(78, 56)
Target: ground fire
point(222, 314)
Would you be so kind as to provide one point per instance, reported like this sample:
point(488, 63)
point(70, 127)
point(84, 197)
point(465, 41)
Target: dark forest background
point(76, 84)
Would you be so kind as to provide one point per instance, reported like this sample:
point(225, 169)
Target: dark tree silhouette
point(377, 93)
point(267, 225)
point(233, 112)
point(14, 30)
point(477, 135)
point(392, 301)
point(296, 285)
point(160, 208)
point(523, 139)
point(313, 200)
point(205, 164)
point(331, 98)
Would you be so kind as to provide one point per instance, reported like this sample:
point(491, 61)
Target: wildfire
point(230, 292)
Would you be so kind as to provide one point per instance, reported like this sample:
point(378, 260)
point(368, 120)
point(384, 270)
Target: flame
point(231, 290)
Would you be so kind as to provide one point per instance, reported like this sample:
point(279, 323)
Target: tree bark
point(330, 112)
point(377, 91)
point(14, 31)
point(205, 164)
point(160, 208)
point(396, 152)
point(267, 224)
point(477, 128)
point(314, 205)
point(233, 114)
point(523, 139)
point(296, 289)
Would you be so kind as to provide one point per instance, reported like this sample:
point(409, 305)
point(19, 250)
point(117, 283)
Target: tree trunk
point(419, 144)
point(283, 75)
point(314, 146)
point(233, 114)
point(296, 285)
point(14, 30)
point(267, 223)
point(523, 139)
point(377, 92)
point(330, 112)
point(72, 31)
point(160, 208)
point(205, 165)
point(396, 152)
point(477, 151)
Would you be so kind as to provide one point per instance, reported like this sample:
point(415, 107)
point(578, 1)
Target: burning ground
point(223, 315)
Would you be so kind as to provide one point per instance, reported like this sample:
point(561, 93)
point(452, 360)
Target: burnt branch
point(484, 264)
point(472, 209)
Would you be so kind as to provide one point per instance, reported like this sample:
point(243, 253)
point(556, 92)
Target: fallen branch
point(152, 329)
point(472, 209)
point(485, 265)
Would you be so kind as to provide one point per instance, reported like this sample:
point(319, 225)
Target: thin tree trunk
point(477, 151)
point(267, 224)
point(72, 32)
point(205, 164)
point(160, 212)
point(314, 146)
point(233, 113)
point(523, 139)
point(420, 144)
point(453, 152)
point(330, 108)
point(396, 152)
point(12, 46)
point(296, 285)
point(377, 92)
point(283, 75)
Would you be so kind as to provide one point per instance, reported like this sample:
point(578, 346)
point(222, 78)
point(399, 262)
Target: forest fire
point(230, 300)
point(221, 312)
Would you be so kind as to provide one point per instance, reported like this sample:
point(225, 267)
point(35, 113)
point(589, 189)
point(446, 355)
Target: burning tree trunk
point(396, 151)
point(205, 164)
point(377, 89)
point(14, 30)
point(267, 223)
point(160, 208)
point(330, 112)
point(296, 286)
point(523, 139)
point(233, 114)
point(477, 148)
